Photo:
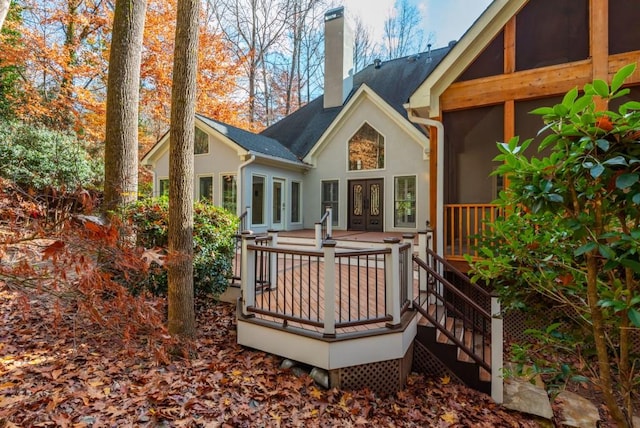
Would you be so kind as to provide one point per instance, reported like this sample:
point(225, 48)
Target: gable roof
point(472, 43)
point(254, 143)
point(394, 81)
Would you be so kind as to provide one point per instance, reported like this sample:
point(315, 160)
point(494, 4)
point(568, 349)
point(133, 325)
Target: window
point(330, 199)
point(366, 149)
point(257, 200)
point(163, 187)
point(229, 192)
point(201, 142)
point(206, 188)
point(295, 202)
point(405, 201)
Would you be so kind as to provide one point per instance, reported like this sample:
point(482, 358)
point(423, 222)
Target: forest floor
point(59, 369)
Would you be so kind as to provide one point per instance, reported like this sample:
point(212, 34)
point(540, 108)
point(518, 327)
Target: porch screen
point(405, 201)
point(330, 199)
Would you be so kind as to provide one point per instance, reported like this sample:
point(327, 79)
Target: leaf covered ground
point(57, 368)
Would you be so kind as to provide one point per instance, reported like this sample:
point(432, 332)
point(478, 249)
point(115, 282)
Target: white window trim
point(208, 142)
point(300, 202)
point(341, 203)
point(393, 201)
point(221, 187)
point(265, 189)
point(157, 190)
point(213, 184)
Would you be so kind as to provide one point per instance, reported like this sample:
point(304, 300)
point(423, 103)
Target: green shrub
point(213, 244)
point(36, 157)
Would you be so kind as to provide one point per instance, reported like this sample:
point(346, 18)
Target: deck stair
point(455, 323)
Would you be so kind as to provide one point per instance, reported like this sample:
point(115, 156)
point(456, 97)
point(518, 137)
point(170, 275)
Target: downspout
point(239, 183)
point(439, 175)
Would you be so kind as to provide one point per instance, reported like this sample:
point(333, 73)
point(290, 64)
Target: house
point(396, 145)
point(353, 149)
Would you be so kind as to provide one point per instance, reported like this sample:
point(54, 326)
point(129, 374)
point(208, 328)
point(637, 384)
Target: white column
point(329, 265)
point(273, 260)
point(408, 238)
point(422, 254)
point(318, 227)
point(329, 223)
point(392, 270)
point(497, 338)
point(248, 273)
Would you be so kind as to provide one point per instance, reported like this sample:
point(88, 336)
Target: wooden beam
point(616, 62)
point(433, 176)
point(510, 46)
point(527, 84)
point(599, 42)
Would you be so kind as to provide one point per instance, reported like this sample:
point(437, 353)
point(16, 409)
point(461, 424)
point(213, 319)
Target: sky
point(447, 19)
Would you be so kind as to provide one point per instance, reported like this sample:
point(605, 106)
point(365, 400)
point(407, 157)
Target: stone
point(287, 364)
point(320, 376)
point(525, 397)
point(577, 411)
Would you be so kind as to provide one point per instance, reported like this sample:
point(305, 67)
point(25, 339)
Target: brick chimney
point(338, 51)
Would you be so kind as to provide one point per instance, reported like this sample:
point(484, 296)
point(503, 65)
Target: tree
point(121, 142)
point(253, 28)
point(402, 33)
point(217, 79)
point(183, 102)
point(4, 9)
point(572, 235)
point(364, 49)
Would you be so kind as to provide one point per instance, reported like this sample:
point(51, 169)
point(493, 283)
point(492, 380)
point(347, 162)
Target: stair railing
point(324, 228)
point(242, 226)
point(469, 308)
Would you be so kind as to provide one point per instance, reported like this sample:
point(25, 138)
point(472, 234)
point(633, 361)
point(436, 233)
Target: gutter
point(279, 160)
point(239, 183)
point(439, 174)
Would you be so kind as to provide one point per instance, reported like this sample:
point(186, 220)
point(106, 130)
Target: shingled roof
point(394, 81)
point(249, 141)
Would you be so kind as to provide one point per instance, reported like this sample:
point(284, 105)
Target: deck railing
point(462, 224)
point(242, 225)
point(327, 291)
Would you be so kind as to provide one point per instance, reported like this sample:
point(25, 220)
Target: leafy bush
point(213, 244)
point(36, 157)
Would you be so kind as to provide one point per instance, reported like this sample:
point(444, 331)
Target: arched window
point(366, 149)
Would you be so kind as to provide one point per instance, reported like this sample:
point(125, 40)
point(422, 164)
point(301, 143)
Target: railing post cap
point(246, 232)
point(423, 232)
point(273, 230)
point(329, 243)
point(391, 240)
point(408, 235)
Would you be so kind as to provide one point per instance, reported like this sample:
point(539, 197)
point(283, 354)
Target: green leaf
point(569, 98)
point(554, 197)
point(560, 110)
point(634, 317)
point(589, 246)
point(636, 199)
point(627, 180)
point(606, 252)
point(631, 105)
point(622, 75)
point(596, 171)
point(603, 144)
point(618, 160)
point(542, 111)
point(633, 264)
point(548, 140)
point(601, 88)
point(581, 103)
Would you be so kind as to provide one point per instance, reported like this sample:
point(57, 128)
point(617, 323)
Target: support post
point(329, 223)
point(273, 260)
point(497, 340)
point(392, 280)
point(408, 238)
point(318, 227)
point(422, 254)
point(329, 288)
point(248, 273)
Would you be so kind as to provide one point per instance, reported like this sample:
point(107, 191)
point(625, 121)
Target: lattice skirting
point(425, 362)
point(383, 377)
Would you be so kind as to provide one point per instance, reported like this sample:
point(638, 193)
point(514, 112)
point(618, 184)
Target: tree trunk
point(4, 9)
point(183, 99)
point(121, 136)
